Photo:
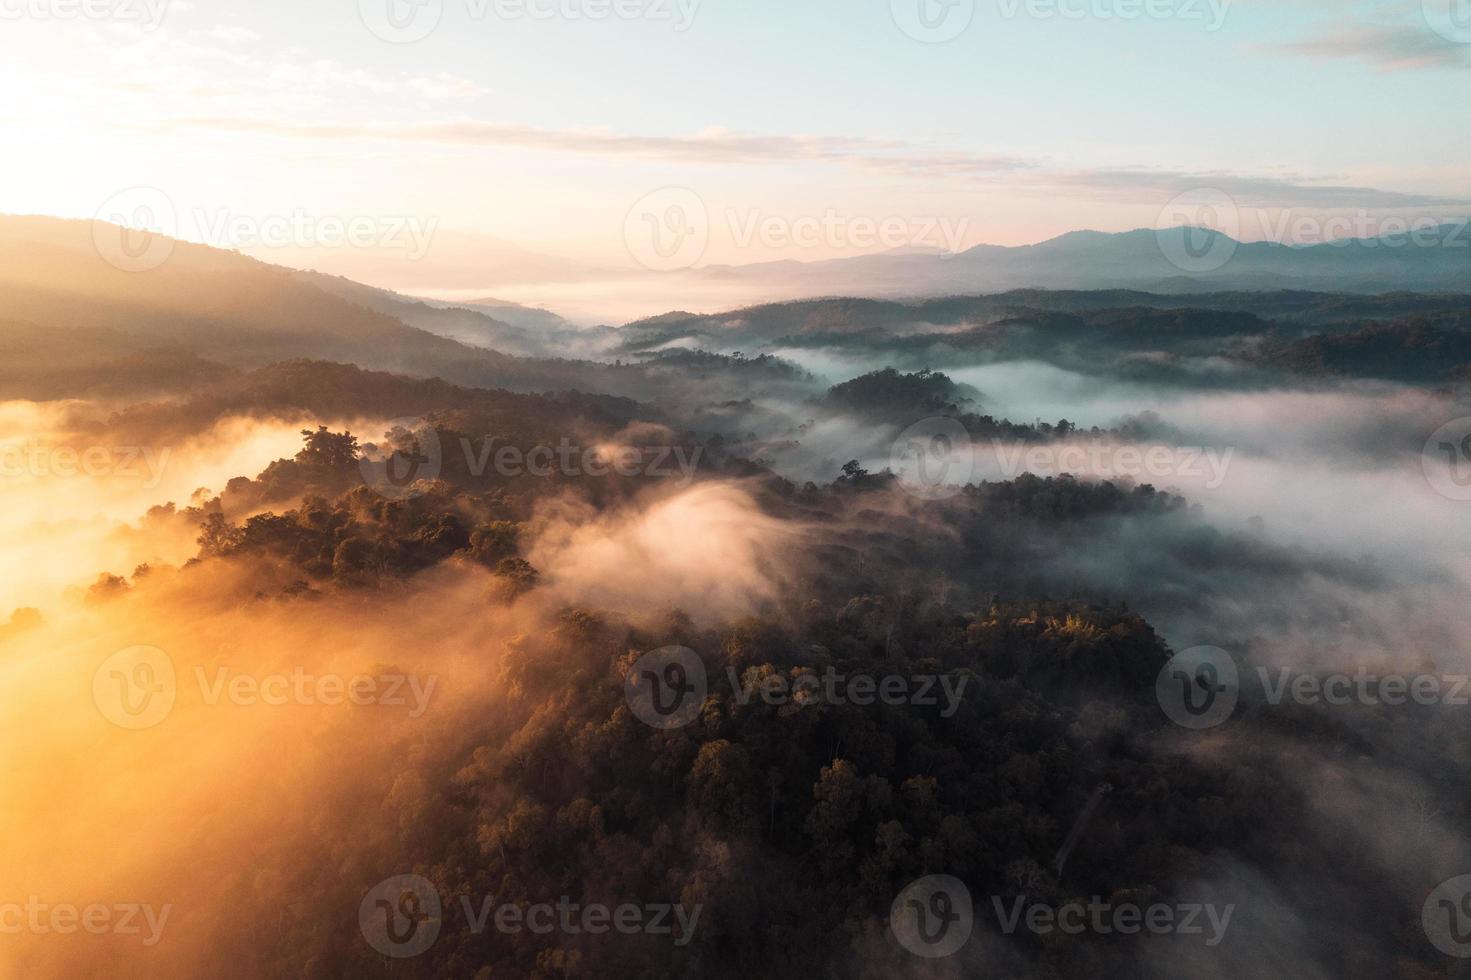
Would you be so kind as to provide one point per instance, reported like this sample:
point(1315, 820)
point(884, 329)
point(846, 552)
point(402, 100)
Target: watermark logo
point(1446, 917)
point(1211, 12)
point(576, 918)
point(36, 459)
point(933, 458)
point(933, 21)
point(1199, 687)
point(1451, 19)
point(404, 915)
point(134, 230)
point(147, 14)
point(933, 916)
point(95, 919)
point(1364, 688)
point(1446, 460)
point(330, 690)
point(401, 916)
point(410, 234)
point(1363, 228)
point(668, 230)
point(1197, 231)
point(1109, 460)
point(942, 691)
point(680, 13)
point(666, 688)
point(135, 688)
point(834, 231)
point(1105, 918)
point(411, 453)
point(401, 21)
point(572, 460)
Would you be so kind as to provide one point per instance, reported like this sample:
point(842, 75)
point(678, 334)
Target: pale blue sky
point(545, 132)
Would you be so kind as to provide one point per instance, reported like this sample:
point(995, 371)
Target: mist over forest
point(333, 611)
point(735, 490)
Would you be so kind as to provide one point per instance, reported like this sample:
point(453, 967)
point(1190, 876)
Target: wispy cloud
point(719, 146)
point(715, 146)
point(1400, 47)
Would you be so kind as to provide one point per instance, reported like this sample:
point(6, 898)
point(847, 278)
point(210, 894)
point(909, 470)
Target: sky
point(360, 135)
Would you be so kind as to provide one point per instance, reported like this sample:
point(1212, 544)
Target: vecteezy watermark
point(1109, 460)
point(568, 458)
point(680, 14)
point(96, 919)
point(1446, 917)
point(401, 917)
point(34, 458)
point(1451, 19)
point(861, 690)
point(1198, 231)
point(408, 21)
point(938, 21)
point(411, 455)
point(137, 688)
point(1211, 13)
point(666, 688)
point(933, 459)
point(667, 230)
point(933, 917)
point(670, 229)
point(933, 21)
point(134, 230)
point(1105, 918)
point(831, 230)
point(223, 228)
point(1446, 460)
point(1365, 688)
point(1198, 688)
point(147, 14)
point(300, 688)
point(1201, 687)
point(1363, 229)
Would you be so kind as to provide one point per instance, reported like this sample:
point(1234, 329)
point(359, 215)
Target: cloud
point(711, 145)
point(724, 147)
point(1391, 47)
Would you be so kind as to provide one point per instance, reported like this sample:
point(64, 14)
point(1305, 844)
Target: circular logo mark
point(401, 917)
point(410, 453)
point(135, 688)
point(1198, 688)
point(1197, 231)
point(401, 21)
point(1446, 460)
point(933, 21)
point(1446, 917)
point(933, 458)
point(668, 230)
point(134, 230)
point(666, 689)
point(1451, 19)
point(933, 916)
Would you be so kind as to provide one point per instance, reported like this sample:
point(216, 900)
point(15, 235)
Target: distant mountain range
point(1178, 260)
point(71, 322)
